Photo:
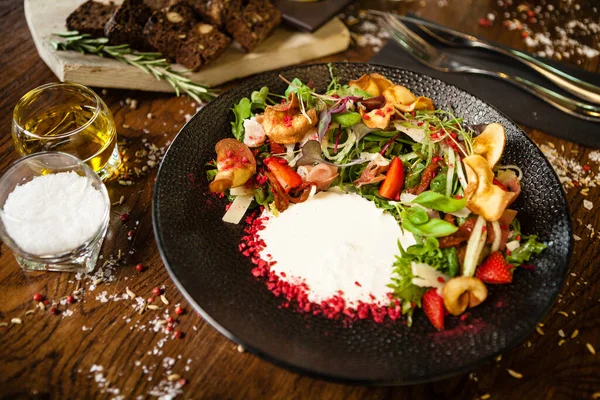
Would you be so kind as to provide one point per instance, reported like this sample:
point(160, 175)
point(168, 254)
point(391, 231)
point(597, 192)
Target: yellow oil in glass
point(69, 118)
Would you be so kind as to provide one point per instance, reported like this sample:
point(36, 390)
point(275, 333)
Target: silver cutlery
point(430, 56)
point(450, 37)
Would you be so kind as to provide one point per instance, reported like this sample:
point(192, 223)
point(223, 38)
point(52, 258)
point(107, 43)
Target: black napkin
point(309, 16)
point(517, 104)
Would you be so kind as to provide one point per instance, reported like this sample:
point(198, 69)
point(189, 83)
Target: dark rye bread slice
point(160, 4)
point(167, 29)
point(90, 17)
point(254, 23)
point(127, 23)
point(204, 43)
point(216, 12)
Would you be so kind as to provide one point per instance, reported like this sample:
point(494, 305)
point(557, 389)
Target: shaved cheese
point(241, 191)
point(513, 245)
point(289, 152)
point(474, 247)
point(377, 157)
point(464, 213)
point(416, 134)
point(497, 236)
point(427, 276)
point(407, 197)
point(237, 209)
point(461, 174)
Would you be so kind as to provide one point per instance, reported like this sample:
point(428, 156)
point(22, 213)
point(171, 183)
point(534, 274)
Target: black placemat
point(310, 16)
point(517, 104)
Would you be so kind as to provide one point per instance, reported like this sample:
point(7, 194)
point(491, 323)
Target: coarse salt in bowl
point(53, 209)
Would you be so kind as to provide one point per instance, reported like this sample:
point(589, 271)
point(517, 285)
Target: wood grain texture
point(51, 356)
point(283, 48)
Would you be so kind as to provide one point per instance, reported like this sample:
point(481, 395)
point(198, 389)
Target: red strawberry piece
point(494, 269)
point(433, 305)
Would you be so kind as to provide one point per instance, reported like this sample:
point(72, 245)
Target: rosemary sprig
point(149, 62)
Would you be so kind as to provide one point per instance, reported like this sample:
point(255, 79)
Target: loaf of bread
point(90, 18)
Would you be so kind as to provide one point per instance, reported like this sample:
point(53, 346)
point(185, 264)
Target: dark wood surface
point(53, 356)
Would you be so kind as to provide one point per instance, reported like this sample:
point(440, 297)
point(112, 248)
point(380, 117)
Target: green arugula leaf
point(346, 90)
point(242, 111)
point(435, 227)
point(521, 255)
point(210, 174)
point(346, 119)
point(439, 202)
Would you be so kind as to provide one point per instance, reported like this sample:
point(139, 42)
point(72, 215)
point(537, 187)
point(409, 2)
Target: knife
point(571, 84)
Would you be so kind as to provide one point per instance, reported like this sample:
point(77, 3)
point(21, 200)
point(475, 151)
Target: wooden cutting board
point(283, 48)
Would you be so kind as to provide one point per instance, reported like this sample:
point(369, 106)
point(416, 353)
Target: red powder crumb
point(357, 284)
point(287, 121)
point(485, 22)
point(296, 295)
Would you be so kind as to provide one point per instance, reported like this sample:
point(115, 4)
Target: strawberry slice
point(494, 269)
point(433, 305)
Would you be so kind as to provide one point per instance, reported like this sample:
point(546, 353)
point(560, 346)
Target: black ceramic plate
point(201, 254)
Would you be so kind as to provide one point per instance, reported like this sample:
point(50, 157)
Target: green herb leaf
point(416, 215)
point(263, 196)
point(521, 255)
point(438, 184)
point(346, 119)
point(259, 98)
point(435, 227)
point(242, 111)
point(414, 177)
point(452, 258)
point(429, 252)
point(440, 202)
point(295, 85)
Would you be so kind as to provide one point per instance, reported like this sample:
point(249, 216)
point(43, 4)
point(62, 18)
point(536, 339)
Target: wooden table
point(104, 349)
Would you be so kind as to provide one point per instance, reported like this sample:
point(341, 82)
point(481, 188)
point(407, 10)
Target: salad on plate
point(366, 201)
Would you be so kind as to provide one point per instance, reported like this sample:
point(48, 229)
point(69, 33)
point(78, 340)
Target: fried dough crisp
point(285, 123)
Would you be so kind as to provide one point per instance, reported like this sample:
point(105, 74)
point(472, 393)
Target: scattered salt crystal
point(595, 156)
point(54, 213)
point(588, 204)
point(67, 313)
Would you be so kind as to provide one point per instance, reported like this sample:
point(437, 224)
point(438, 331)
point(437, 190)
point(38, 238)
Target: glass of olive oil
point(71, 118)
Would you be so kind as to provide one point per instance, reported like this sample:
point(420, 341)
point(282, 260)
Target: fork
point(433, 58)
point(449, 37)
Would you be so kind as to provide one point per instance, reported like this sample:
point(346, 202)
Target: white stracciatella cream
point(335, 242)
point(53, 214)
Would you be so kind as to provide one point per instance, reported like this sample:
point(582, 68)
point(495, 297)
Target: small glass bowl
point(83, 258)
